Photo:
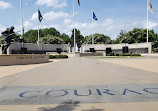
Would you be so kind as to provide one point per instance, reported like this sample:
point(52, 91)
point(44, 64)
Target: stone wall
point(0, 50)
point(117, 48)
point(35, 47)
point(87, 54)
point(23, 59)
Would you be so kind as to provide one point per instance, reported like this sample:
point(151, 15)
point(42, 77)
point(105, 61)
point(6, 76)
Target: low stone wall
point(117, 48)
point(133, 51)
point(88, 54)
point(15, 48)
point(0, 50)
point(23, 59)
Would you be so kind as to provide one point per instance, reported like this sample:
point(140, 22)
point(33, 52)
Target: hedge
point(130, 55)
point(58, 56)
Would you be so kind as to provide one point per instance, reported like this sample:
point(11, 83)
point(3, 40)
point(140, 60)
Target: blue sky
point(113, 15)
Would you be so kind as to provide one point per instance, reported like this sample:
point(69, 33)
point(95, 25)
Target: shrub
point(130, 55)
point(51, 57)
point(111, 54)
point(58, 56)
point(136, 55)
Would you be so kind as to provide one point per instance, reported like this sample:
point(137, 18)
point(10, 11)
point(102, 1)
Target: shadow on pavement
point(93, 109)
point(66, 106)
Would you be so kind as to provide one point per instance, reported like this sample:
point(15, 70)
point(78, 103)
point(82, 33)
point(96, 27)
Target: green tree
point(65, 38)
point(98, 39)
point(50, 31)
point(79, 38)
point(136, 35)
point(120, 38)
point(31, 36)
point(49, 39)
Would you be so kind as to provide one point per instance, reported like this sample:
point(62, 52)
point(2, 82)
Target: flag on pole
point(94, 16)
point(39, 15)
point(150, 8)
point(79, 2)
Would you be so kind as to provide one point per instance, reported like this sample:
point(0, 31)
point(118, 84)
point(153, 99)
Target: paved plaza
point(81, 84)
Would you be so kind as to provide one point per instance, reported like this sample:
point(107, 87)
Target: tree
point(79, 38)
point(65, 38)
point(50, 31)
point(136, 35)
point(31, 36)
point(49, 39)
point(120, 38)
point(98, 39)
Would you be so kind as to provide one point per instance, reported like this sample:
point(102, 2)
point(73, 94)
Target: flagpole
point(147, 21)
point(22, 26)
point(74, 26)
point(38, 21)
point(92, 28)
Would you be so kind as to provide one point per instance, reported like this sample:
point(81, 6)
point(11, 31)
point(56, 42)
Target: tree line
point(52, 36)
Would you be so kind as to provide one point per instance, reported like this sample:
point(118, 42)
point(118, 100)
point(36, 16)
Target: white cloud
point(135, 24)
point(17, 29)
point(52, 3)
point(67, 21)
point(27, 25)
point(114, 36)
point(113, 27)
point(83, 25)
point(2, 28)
point(50, 16)
point(151, 25)
point(107, 22)
point(5, 5)
point(34, 16)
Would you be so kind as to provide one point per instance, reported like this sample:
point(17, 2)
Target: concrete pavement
point(81, 74)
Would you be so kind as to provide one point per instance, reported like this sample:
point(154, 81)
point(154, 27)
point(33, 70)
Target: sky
point(113, 15)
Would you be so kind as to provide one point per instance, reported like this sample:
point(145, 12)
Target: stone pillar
point(83, 51)
point(69, 50)
point(80, 50)
point(150, 48)
point(39, 43)
point(76, 48)
point(73, 50)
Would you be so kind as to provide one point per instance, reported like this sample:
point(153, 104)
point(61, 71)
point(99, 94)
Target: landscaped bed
point(58, 56)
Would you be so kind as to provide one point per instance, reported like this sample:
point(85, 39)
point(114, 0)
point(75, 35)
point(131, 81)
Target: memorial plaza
point(81, 84)
point(78, 55)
